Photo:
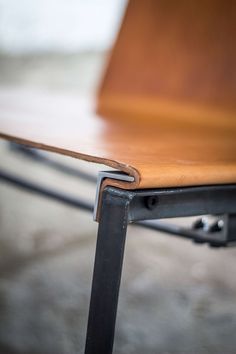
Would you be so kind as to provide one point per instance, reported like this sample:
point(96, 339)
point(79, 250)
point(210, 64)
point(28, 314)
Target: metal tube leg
point(107, 272)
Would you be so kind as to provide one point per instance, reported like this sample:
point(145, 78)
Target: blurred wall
point(58, 25)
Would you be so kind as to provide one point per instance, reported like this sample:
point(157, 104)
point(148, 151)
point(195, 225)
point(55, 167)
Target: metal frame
point(202, 231)
point(107, 271)
point(117, 175)
point(120, 207)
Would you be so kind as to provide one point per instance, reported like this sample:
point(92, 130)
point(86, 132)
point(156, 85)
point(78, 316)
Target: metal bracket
point(221, 232)
point(117, 175)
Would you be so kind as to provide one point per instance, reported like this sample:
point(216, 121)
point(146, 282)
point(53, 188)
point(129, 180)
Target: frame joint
point(114, 175)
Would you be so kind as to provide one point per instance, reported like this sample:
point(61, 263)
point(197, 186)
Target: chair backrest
point(173, 58)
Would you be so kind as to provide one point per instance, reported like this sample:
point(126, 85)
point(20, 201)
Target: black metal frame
point(121, 207)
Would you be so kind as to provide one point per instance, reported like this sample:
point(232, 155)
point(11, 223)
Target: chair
point(164, 118)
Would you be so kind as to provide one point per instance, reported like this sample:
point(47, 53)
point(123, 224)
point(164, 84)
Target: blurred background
point(175, 297)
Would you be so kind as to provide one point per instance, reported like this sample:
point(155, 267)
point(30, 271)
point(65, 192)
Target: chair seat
point(158, 153)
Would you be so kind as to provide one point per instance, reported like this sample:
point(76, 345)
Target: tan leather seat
point(165, 112)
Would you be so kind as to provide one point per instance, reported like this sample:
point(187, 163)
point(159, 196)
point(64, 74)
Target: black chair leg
point(107, 272)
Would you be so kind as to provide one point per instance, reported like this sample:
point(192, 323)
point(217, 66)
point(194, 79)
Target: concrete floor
point(176, 297)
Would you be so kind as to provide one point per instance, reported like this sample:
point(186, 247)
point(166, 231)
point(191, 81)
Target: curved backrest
point(173, 58)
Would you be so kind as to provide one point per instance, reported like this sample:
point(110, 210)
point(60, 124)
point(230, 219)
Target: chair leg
point(107, 273)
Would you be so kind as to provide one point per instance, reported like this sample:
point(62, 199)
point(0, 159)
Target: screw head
point(217, 226)
point(200, 224)
point(151, 202)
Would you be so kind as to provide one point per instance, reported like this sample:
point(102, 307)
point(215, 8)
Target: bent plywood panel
point(165, 154)
point(166, 107)
point(172, 57)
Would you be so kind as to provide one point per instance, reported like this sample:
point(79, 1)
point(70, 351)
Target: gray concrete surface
point(175, 297)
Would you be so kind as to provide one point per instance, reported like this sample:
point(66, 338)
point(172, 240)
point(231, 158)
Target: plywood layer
point(166, 111)
point(164, 153)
